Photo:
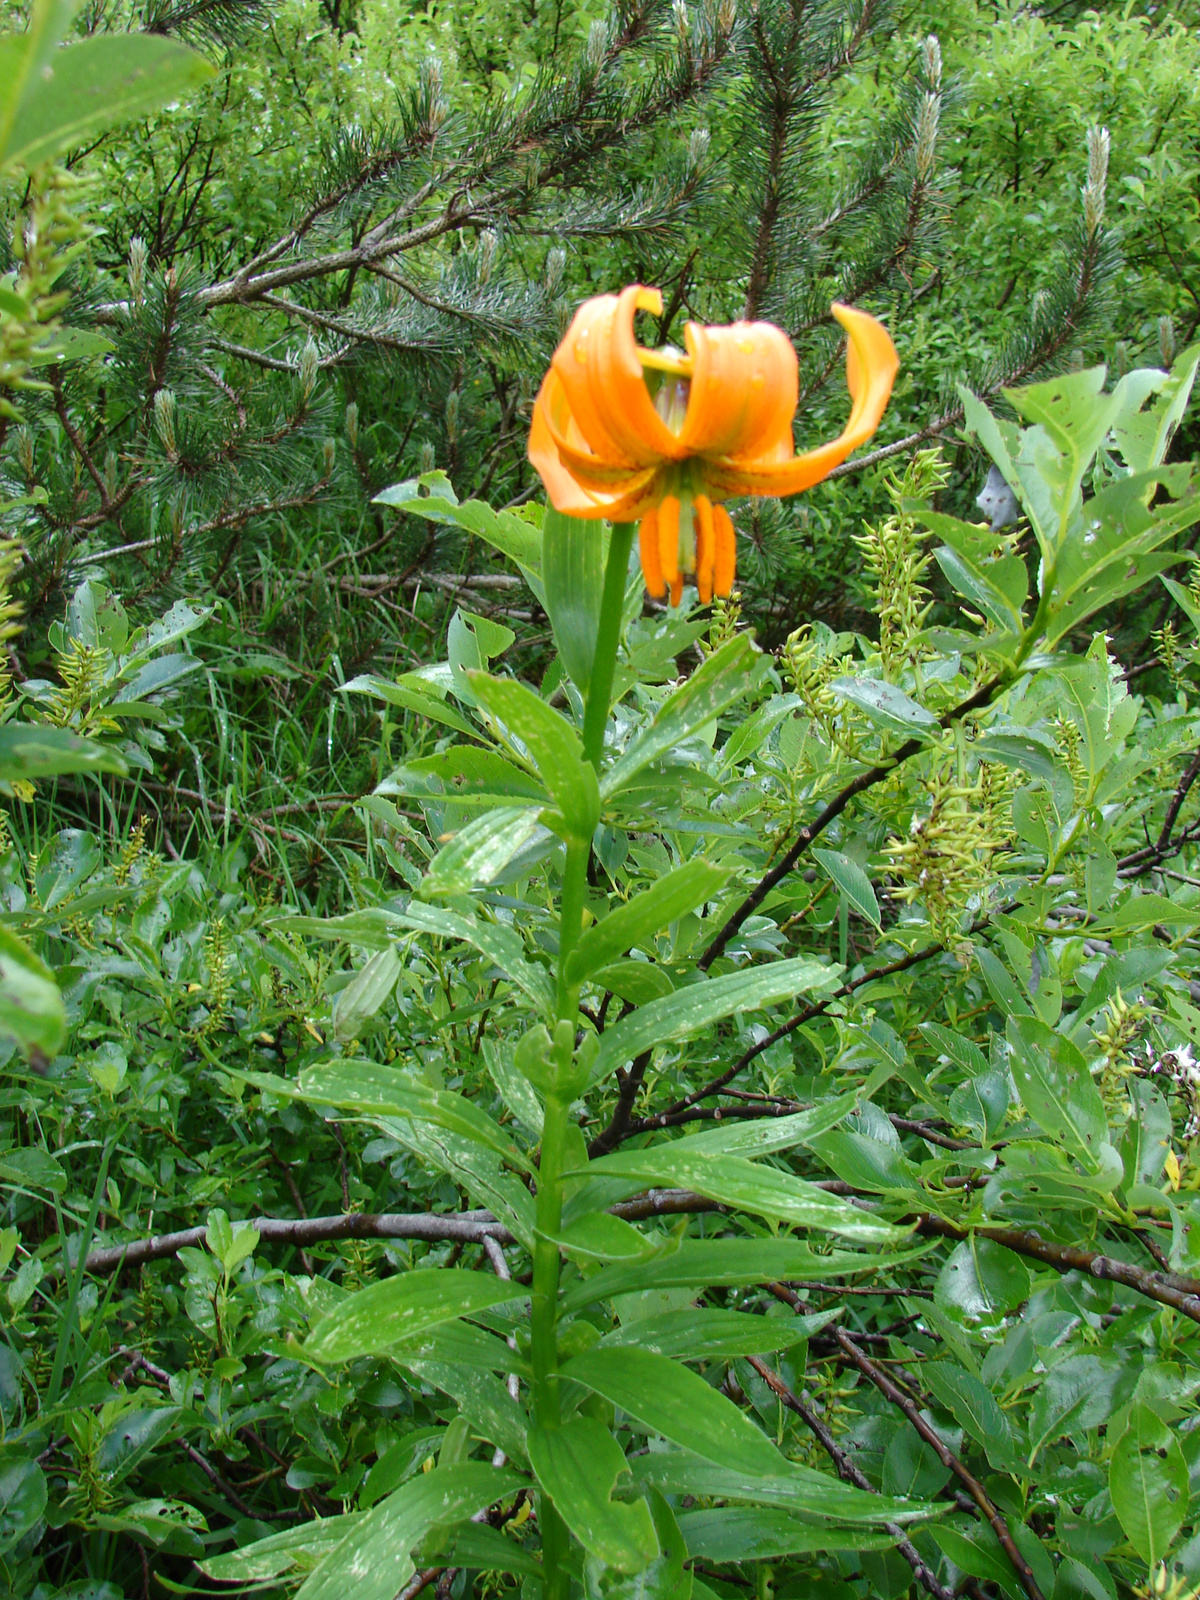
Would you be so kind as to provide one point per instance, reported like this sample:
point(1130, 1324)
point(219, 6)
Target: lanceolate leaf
point(1148, 1482)
point(758, 1533)
point(578, 1466)
point(760, 1189)
point(378, 1317)
point(671, 1400)
point(689, 1010)
point(86, 87)
point(373, 1562)
point(851, 881)
point(702, 1334)
point(730, 1263)
point(799, 1490)
point(646, 914)
point(726, 676)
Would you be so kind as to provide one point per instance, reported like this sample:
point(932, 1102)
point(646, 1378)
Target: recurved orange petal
point(601, 373)
point(871, 367)
point(578, 484)
point(744, 389)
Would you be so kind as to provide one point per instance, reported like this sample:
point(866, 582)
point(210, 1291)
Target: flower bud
point(309, 361)
point(1098, 144)
point(137, 270)
point(164, 419)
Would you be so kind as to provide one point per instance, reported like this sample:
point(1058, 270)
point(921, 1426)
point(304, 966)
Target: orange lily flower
point(718, 425)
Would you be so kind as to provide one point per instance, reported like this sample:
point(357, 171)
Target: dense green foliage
point(796, 1046)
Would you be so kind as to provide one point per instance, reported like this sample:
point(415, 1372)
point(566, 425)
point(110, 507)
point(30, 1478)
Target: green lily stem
point(544, 1308)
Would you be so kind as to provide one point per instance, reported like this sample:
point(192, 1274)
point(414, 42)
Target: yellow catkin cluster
point(953, 850)
point(894, 557)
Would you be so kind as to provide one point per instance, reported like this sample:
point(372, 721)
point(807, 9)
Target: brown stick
point(1168, 1288)
point(937, 1444)
point(849, 1473)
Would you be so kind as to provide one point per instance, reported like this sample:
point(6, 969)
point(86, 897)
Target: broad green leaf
point(578, 1465)
point(975, 582)
point(484, 1549)
point(126, 1445)
point(639, 982)
point(411, 693)
point(515, 1089)
point(755, 732)
point(800, 1490)
point(851, 881)
point(977, 1552)
point(1148, 1482)
point(1056, 1087)
point(962, 1051)
point(980, 1279)
point(1147, 1137)
point(730, 1264)
point(303, 1546)
point(599, 1236)
point(464, 775)
point(867, 1164)
point(500, 944)
point(761, 1533)
point(1001, 440)
point(464, 1345)
point(507, 531)
point(376, 927)
point(482, 1399)
point(1143, 436)
point(367, 991)
point(366, 1087)
point(760, 1136)
point(1144, 910)
point(574, 553)
point(373, 1562)
point(1074, 415)
point(763, 1190)
point(467, 1163)
point(22, 1500)
point(1000, 984)
point(1023, 750)
point(31, 1007)
point(973, 1407)
point(981, 1104)
point(722, 679)
point(89, 86)
point(480, 851)
point(28, 750)
point(553, 745)
point(887, 706)
point(666, 1577)
point(690, 1010)
point(640, 918)
point(372, 1320)
point(673, 1401)
point(1110, 552)
point(706, 1334)
point(24, 55)
point(1079, 1393)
